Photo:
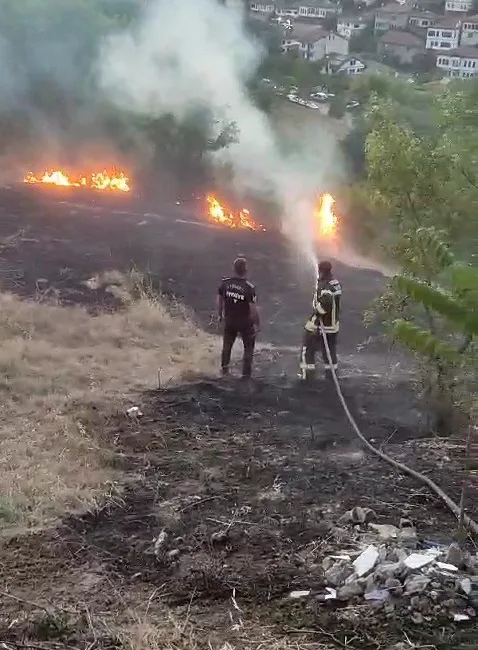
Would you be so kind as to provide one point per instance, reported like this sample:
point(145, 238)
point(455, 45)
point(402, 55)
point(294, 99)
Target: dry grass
point(55, 361)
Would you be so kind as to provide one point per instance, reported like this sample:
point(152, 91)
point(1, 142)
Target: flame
point(327, 220)
point(104, 180)
point(223, 216)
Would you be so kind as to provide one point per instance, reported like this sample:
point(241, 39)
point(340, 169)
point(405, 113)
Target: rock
point(405, 523)
point(418, 560)
point(385, 531)
point(357, 515)
point(394, 586)
point(327, 563)
point(338, 573)
point(366, 561)
point(424, 605)
point(382, 553)
point(455, 555)
point(408, 537)
point(465, 586)
point(416, 584)
point(416, 618)
point(393, 570)
point(349, 591)
point(173, 554)
point(219, 538)
point(379, 595)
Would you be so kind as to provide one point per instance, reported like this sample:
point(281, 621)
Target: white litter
point(447, 567)
point(340, 557)
point(466, 586)
point(460, 617)
point(299, 594)
point(331, 595)
point(134, 412)
point(366, 561)
point(419, 560)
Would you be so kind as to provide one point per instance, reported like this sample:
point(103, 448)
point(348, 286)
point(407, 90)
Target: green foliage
point(415, 187)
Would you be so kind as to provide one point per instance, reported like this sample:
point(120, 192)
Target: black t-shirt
point(237, 293)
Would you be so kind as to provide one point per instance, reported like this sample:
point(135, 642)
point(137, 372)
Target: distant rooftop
point(464, 52)
point(394, 8)
point(396, 37)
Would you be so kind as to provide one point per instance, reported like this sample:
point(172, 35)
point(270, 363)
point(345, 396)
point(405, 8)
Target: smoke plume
point(194, 54)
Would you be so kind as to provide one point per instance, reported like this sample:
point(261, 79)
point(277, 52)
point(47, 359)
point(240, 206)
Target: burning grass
point(55, 364)
point(106, 180)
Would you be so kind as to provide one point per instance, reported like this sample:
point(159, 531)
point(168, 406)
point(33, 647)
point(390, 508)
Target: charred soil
point(231, 491)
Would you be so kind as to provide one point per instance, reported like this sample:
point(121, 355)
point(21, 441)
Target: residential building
point(344, 64)
point(314, 43)
point(401, 46)
point(422, 19)
point(458, 6)
point(352, 25)
point(263, 7)
point(306, 8)
point(444, 35)
point(469, 31)
point(391, 16)
point(366, 3)
point(461, 63)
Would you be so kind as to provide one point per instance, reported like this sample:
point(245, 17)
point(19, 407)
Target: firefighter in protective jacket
point(325, 318)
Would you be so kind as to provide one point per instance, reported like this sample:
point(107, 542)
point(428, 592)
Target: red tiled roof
point(406, 39)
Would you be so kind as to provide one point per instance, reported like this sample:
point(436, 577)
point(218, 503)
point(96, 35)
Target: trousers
point(311, 344)
point(248, 336)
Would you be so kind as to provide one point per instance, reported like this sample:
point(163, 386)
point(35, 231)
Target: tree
point(337, 107)
point(414, 184)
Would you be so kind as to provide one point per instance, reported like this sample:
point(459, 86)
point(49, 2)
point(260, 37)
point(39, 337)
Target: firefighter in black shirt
point(325, 317)
point(236, 306)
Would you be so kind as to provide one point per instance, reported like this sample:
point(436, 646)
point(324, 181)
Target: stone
point(416, 618)
point(394, 586)
point(365, 562)
point(357, 515)
point(384, 531)
point(349, 591)
point(416, 584)
point(391, 570)
point(465, 586)
point(408, 537)
point(338, 573)
point(405, 523)
point(418, 560)
point(173, 554)
point(455, 555)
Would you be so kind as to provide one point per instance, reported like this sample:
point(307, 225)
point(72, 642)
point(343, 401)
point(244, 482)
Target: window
point(443, 61)
point(447, 34)
point(431, 32)
point(445, 45)
point(456, 63)
point(474, 64)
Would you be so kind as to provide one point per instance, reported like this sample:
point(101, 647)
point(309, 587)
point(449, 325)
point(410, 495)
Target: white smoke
point(191, 54)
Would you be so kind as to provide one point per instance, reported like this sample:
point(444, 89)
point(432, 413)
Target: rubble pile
point(391, 569)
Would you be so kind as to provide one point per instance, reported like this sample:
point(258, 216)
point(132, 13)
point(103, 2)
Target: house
point(364, 3)
point(262, 7)
point(352, 25)
point(344, 64)
point(391, 16)
point(444, 35)
point(306, 9)
point(469, 31)
point(461, 63)
point(402, 46)
point(458, 6)
point(422, 19)
point(314, 43)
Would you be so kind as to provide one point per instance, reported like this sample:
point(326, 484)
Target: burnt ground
point(245, 482)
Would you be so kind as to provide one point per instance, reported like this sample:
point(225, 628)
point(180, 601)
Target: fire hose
point(471, 525)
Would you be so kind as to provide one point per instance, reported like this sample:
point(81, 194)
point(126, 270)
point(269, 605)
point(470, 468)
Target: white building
point(445, 35)
point(469, 31)
point(458, 6)
point(461, 63)
point(351, 26)
point(349, 65)
point(262, 7)
point(305, 8)
point(314, 43)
